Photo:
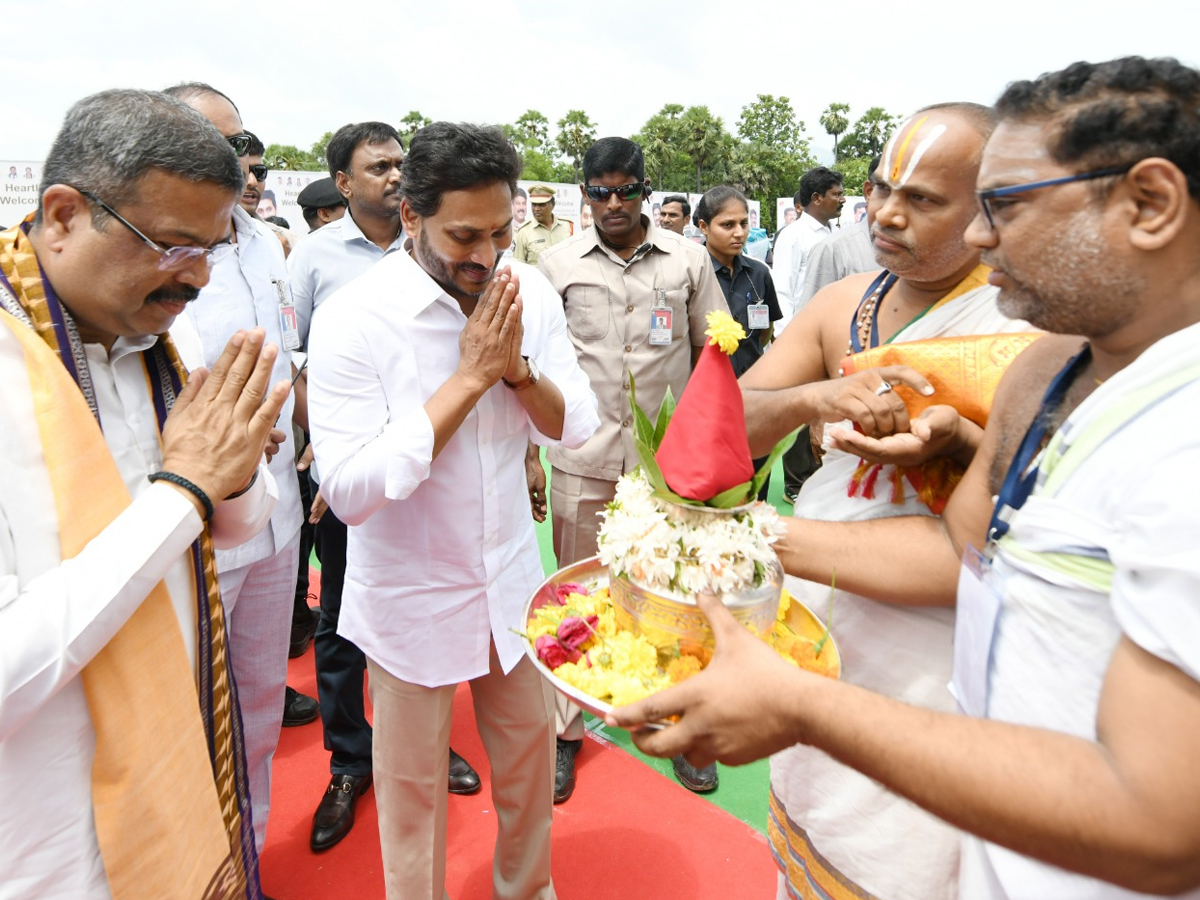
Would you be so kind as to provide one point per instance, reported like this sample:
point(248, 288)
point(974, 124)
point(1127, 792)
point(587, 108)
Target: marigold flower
point(724, 331)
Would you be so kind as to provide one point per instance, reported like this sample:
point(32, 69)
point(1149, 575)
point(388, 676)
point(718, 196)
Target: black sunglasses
point(600, 194)
point(240, 143)
point(259, 172)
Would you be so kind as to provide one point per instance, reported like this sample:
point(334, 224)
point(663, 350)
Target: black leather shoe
point(299, 709)
point(335, 813)
point(303, 629)
point(463, 779)
point(564, 769)
point(699, 780)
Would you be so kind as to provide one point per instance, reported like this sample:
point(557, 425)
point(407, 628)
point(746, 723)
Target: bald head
point(923, 192)
point(214, 106)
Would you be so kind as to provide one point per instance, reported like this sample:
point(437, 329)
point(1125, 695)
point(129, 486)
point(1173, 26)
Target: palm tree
point(701, 138)
point(576, 133)
point(835, 122)
point(411, 124)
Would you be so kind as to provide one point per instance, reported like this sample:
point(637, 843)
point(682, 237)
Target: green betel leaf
point(650, 466)
point(665, 412)
point(738, 495)
point(760, 477)
point(642, 429)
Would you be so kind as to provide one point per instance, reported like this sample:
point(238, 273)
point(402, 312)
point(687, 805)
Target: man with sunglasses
point(1077, 657)
point(256, 182)
point(119, 743)
point(249, 288)
point(636, 297)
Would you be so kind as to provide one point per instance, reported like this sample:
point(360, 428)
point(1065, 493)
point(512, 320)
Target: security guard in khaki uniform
point(544, 230)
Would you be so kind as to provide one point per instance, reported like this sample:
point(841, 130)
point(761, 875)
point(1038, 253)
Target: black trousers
point(341, 666)
point(799, 463)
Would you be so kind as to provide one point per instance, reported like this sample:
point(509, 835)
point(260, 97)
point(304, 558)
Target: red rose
point(574, 631)
point(552, 653)
point(565, 590)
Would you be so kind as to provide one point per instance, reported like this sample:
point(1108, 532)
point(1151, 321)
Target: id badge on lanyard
point(289, 325)
point(757, 314)
point(661, 319)
point(974, 634)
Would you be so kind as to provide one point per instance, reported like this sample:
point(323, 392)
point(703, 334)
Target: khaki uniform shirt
point(533, 237)
point(608, 303)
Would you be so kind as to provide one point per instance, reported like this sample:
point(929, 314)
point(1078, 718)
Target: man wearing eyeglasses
point(258, 579)
point(119, 747)
point(636, 297)
point(1077, 659)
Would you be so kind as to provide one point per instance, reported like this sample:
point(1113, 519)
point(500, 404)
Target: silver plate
point(593, 574)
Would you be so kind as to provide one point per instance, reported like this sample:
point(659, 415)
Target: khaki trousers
point(575, 501)
point(410, 759)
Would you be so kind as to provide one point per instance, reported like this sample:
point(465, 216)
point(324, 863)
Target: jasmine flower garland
point(679, 552)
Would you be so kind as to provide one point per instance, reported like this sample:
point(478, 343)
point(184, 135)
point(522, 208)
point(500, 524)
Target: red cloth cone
point(705, 450)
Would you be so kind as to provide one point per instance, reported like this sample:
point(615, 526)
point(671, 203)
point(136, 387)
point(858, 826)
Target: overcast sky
point(299, 69)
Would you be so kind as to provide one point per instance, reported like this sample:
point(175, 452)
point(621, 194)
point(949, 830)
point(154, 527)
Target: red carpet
point(628, 832)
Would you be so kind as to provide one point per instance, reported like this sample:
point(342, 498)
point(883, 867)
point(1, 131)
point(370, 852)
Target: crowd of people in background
point(198, 396)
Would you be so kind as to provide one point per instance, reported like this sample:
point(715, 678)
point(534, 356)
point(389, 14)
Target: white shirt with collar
point(442, 553)
point(55, 616)
point(328, 259)
point(790, 261)
point(242, 292)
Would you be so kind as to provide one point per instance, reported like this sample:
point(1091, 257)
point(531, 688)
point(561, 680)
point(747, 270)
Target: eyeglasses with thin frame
point(240, 143)
point(171, 259)
point(600, 194)
point(260, 172)
point(986, 197)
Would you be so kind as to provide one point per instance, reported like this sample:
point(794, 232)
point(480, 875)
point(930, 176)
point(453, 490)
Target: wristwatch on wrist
point(529, 380)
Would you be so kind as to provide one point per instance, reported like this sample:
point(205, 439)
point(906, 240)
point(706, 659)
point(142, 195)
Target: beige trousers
point(575, 501)
point(410, 759)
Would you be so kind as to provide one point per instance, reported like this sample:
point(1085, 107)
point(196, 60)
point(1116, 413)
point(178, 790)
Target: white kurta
point(1135, 501)
point(442, 553)
point(55, 617)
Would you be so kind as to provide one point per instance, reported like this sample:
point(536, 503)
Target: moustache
point(184, 292)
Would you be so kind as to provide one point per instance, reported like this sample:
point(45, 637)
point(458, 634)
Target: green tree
point(773, 154)
point(540, 166)
point(870, 133)
point(771, 122)
point(288, 157)
point(319, 148)
point(835, 123)
point(703, 138)
point(532, 132)
point(659, 140)
point(854, 173)
point(576, 132)
point(410, 125)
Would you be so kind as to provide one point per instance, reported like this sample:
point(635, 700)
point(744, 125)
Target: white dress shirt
point(55, 616)
point(242, 293)
point(442, 553)
point(790, 261)
point(326, 260)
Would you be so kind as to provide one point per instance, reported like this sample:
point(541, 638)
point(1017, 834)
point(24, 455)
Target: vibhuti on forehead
point(898, 162)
